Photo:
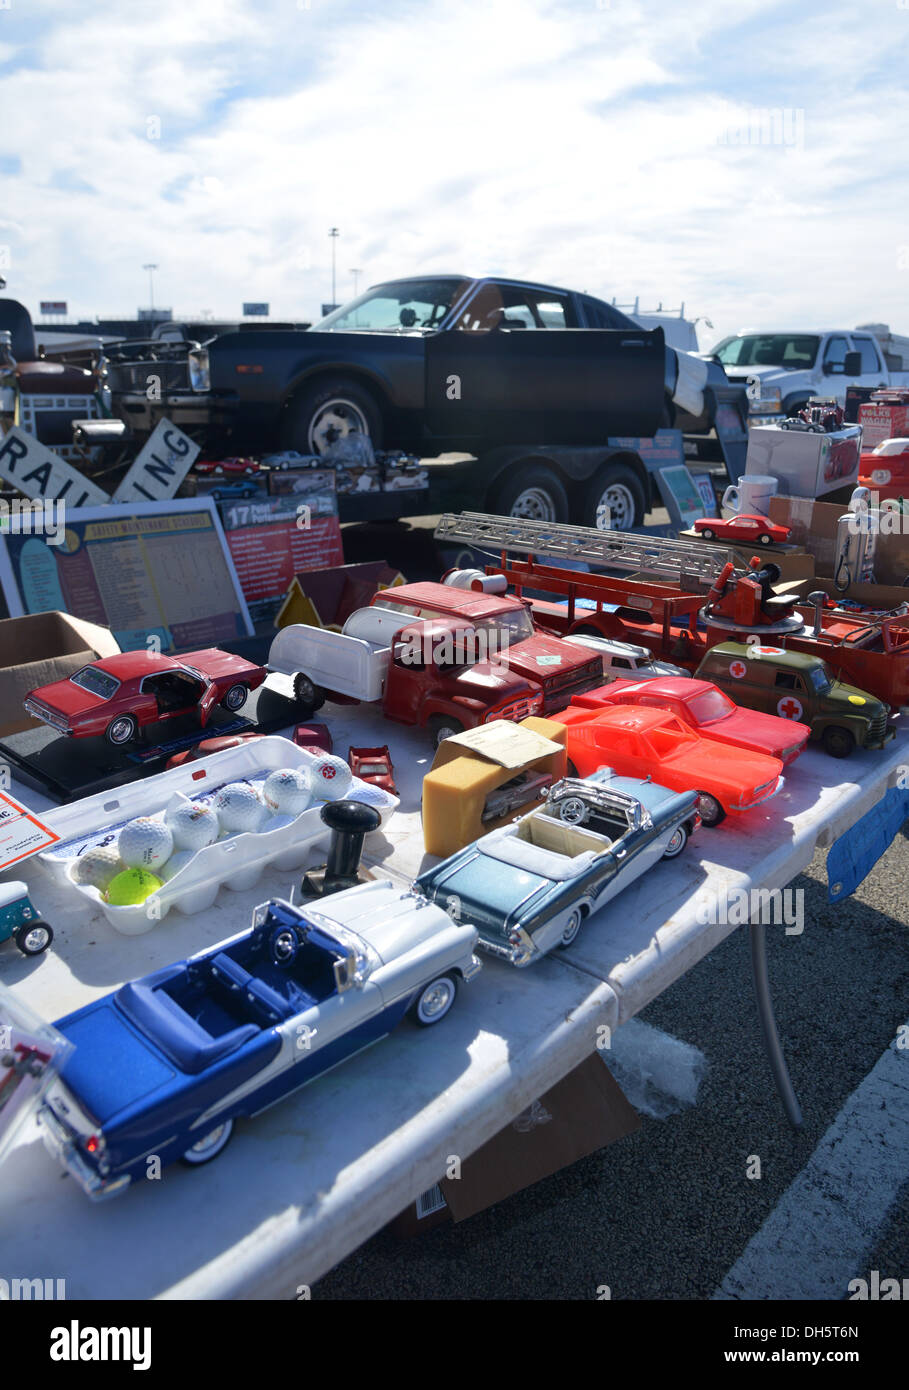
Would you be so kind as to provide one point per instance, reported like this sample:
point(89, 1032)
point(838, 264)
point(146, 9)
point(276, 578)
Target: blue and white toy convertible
point(529, 886)
point(163, 1066)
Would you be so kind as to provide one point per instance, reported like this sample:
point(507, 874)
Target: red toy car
point(886, 469)
point(743, 530)
point(706, 709)
point(234, 467)
point(116, 697)
point(209, 746)
point(373, 765)
point(637, 742)
point(315, 736)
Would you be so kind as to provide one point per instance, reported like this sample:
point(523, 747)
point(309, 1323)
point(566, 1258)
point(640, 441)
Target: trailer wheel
point(329, 410)
point(615, 498)
point(531, 493)
point(307, 694)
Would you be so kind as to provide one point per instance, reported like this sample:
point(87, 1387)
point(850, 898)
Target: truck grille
point(877, 728)
point(516, 709)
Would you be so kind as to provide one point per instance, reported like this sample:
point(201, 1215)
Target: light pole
point(151, 268)
point(334, 234)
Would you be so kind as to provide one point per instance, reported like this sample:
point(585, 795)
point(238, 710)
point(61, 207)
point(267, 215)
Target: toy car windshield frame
point(602, 798)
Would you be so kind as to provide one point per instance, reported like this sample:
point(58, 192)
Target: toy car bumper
point(888, 734)
point(61, 1146)
point(47, 716)
point(519, 950)
point(759, 800)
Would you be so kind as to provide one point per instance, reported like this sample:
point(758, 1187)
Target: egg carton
point(236, 863)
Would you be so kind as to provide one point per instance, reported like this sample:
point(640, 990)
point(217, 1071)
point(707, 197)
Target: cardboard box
point(795, 561)
point(805, 464)
point(814, 525)
point(882, 597)
point(882, 420)
point(585, 1112)
point(40, 648)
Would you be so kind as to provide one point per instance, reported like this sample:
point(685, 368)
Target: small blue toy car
point(20, 920)
point(162, 1067)
point(528, 886)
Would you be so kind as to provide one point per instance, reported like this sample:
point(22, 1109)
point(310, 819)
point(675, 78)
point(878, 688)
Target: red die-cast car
point(705, 708)
point(638, 742)
point(116, 697)
point(373, 765)
point(743, 530)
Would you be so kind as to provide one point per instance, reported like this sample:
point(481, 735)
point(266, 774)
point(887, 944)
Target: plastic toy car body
point(207, 747)
point(315, 736)
point(231, 467)
point(885, 469)
point(235, 492)
point(626, 660)
point(641, 742)
point(373, 765)
point(528, 886)
point(708, 710)
point(20, 919)
point(747, 529)
point(116, 697)
point(167, 1063)
point(797, 685)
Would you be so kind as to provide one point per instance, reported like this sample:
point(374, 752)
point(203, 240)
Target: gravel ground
point(664, 1213)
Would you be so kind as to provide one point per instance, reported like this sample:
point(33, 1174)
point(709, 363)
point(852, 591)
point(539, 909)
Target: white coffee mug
point(752, 493)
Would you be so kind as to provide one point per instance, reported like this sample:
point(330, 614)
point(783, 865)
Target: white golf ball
point(287, 790)
point(239, 807)
point(178, 860)
point(193, 824)
point(329, 777)
point(97, 866)
point(145, 843)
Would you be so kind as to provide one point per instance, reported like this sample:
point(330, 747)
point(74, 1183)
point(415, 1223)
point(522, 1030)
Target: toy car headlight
point(199, 372)
point(881, 476)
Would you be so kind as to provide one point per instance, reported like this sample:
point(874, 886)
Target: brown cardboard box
point(40, 648)
point(814, 525)
point(586, 1111)
point(794, 560)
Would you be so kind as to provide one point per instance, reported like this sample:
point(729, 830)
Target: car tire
point(677, 842)
point(619, 488)
point(570, 769)
point(330, 410)
point(307, 694)
point(441, 726)
point(837, 741)
point(236, 697)
point(209, 1146)
point(765, 539)
point(121, 731)
point(571, 929)
point(434, 1001)
point(707, 534)
point(34, 937)
point(710, 810)
point(534, 492)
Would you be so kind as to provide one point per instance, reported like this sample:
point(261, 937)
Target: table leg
point(772, 1044)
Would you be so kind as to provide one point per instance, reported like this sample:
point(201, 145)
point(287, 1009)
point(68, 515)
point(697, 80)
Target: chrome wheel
point(709, 809)
point(236, 697)
point(615, 508)
point(533, 504)
point(435, 1001)
point(335, 419)
point(571, 929)
point(34, 939)
point(677, 842)
point(121, 730)
point(210, 1145)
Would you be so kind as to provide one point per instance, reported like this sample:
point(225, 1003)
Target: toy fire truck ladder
point(618, 550)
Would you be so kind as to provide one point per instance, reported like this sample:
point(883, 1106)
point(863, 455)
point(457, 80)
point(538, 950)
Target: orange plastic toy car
point(637, 742)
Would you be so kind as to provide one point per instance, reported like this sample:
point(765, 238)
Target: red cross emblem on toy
point(329, 771)
point(789, 708)
point(737, 669)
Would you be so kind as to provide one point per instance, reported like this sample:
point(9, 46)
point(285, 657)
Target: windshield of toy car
point(819, 679)
point(410, 306)
point(365, 957)
point(792, 351)
point(710, 706)
point(372, 769)
point(514, 626)
point(96, 682)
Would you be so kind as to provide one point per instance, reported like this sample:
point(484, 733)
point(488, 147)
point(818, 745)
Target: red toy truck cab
point(508, 637)
point(116, 697)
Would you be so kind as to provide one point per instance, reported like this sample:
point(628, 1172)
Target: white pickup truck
point(781, 370)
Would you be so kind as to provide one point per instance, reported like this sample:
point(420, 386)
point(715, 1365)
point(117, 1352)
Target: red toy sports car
point(706, 709)
point(637, 742)
point(373, 765)
point(743, 530)
point(116, 697)
point(314, 736)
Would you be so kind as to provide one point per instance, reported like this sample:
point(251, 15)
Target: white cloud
point(578, 142)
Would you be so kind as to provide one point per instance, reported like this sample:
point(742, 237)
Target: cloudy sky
point(746, 157)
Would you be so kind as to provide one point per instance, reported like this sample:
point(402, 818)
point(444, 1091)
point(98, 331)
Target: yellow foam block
point(456, 789)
